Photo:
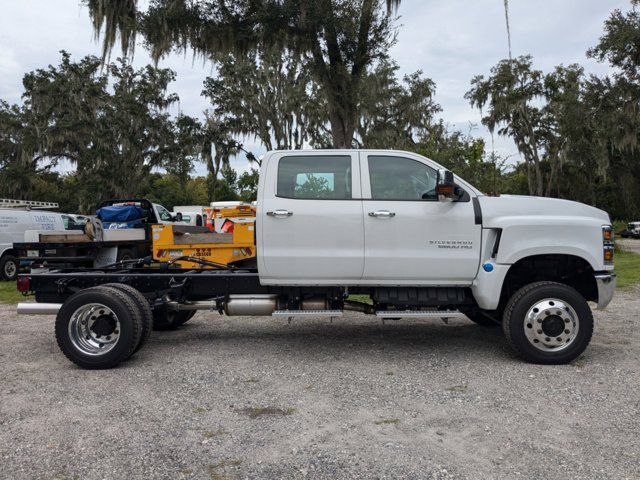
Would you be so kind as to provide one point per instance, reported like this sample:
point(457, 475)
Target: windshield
point(163, 213)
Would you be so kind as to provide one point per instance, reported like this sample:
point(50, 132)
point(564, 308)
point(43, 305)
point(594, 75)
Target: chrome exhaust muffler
point(34, 308)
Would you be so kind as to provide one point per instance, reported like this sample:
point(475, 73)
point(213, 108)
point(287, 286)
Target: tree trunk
point(342, 129)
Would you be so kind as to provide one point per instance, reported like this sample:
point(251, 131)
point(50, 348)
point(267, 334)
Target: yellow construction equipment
point(198, 247)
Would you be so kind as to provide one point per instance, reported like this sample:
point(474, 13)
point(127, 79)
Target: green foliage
point(9, 293)
point(578, 136)
point(248, 186)
point(627, 269)
point(111, 125)
point(341, 39)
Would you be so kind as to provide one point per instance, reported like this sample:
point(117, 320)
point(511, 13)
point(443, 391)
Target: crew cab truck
point(118, 241)
point(395, 226)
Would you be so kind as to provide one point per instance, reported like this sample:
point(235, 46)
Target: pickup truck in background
point(122, 232)
point(632, 230)
point(393, 226)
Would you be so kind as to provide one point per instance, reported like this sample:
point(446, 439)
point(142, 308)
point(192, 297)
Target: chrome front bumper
point(606, 287)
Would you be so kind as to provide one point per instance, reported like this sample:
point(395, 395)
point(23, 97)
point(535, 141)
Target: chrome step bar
point(419, 314)
point(33, 308)
point(307, 313)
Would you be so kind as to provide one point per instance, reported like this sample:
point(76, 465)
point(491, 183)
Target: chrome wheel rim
point(551, 325)
point(94, 329)
point(10, 269)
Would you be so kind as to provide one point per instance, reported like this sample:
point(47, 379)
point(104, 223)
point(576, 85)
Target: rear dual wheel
point(101, 327)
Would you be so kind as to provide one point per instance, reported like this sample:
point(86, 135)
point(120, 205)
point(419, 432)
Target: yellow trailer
point(179, 244)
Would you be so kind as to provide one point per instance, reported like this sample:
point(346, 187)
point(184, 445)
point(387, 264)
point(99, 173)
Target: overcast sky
point(449, 40)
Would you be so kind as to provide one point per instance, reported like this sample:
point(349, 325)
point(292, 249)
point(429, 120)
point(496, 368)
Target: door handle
point(280, 213)
point(382, 213)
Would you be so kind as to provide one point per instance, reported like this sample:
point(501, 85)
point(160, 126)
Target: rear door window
point(317, 177)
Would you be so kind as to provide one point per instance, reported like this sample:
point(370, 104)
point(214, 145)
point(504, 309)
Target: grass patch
point(255, 412)
point(214, 470)
point(208, 434)
point(360, 298)
point(627, 268)
point(580, 362)
point(457, 389)
point(9, 293)
point(199, 410)
point(387, 421)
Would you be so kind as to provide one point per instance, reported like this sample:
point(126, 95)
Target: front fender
point(526, 237)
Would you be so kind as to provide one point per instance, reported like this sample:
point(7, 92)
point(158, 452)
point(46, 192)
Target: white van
point(13, 225)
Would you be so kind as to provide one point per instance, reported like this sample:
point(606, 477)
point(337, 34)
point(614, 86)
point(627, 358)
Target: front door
point(310, 219)
point(410, 236)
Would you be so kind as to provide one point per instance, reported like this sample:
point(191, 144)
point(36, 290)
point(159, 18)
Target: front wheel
point(548, 323)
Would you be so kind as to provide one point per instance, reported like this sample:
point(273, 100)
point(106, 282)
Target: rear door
point(310, 219)
point(410, 236)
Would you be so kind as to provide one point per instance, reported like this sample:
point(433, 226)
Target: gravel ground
point(257, 398)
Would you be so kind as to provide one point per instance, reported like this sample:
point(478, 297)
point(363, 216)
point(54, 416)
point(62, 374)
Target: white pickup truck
point(392, 226)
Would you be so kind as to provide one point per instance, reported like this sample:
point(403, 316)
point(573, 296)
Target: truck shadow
point(349, 334)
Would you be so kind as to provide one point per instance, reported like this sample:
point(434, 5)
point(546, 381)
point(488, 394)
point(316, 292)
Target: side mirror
point(178, 217)
point(445, 186)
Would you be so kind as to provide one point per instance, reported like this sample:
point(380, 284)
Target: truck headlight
point(608, 247)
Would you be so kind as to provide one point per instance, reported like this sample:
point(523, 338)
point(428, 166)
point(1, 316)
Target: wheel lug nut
point(547, 339)
point(566, 331)
point(566, 320)
point(108, 337)
point(559, 339)
point(539, 331)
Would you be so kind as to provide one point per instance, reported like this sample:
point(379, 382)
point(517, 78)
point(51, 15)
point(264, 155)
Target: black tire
point(9, 267)
point(86, 351)
point(144, 308)
point(562, 307)
point(476, 316)
point(164, 319)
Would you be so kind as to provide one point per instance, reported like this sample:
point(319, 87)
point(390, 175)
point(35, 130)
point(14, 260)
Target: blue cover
point(120, 213)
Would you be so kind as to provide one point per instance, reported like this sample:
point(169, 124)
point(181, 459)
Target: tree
point(341, 39)
point(18, 165)
point(112, 139)
point(248, 186)
point(393, 113)
point(266, 95)
point(615, 110)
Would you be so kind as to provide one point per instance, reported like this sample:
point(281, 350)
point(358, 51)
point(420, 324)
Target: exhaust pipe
point(237, 305)
point(249, 305)
point(33, 308)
